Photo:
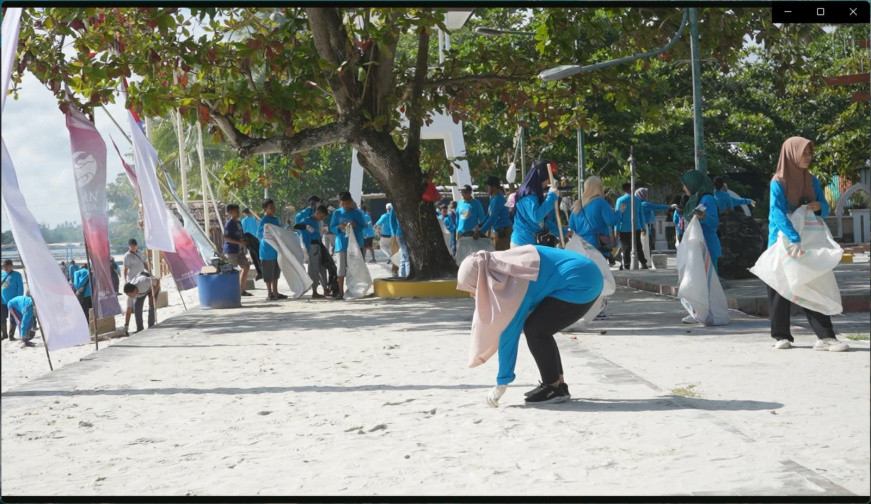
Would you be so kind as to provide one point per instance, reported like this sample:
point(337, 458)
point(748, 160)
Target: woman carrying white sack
point(791, 187)
point(534, 289)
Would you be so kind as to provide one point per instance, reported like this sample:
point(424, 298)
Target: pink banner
point(89, 169)
point(185, 263)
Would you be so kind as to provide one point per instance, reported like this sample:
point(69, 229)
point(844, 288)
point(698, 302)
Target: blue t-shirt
point(725, 201)
point(394, 225)
point(71, 271)
point(342, 216)
point(384, 222)
point(12, 285)
point(232, 229)
point(369, 230)
point(624, 225)
point(564, 275)
point(710, 224)
point(529, 215)
point(250, 225)
point(597, 217)
point(23, 308)
point(497, 214)
point(81, 280)
point(266, 251)
point(780, 207)
point(471, 214)
point(676, 218)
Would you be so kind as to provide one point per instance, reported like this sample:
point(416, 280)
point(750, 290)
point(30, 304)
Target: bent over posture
point(539, 290)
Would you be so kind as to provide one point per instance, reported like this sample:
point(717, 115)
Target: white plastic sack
point(583, 247)
point(511, 173)
point(357, 277)
point(466, 245)
point(700, 291)
point(303, 246)
point(809, 280)
point(286, 243)
point(445, 233)
point(645, 247)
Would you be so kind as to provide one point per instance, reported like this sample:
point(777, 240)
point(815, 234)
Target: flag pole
point(38, 323)
point(91, 285)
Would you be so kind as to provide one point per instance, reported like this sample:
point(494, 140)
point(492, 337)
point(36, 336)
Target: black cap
point(313, 199)
point(467, 188)
point(132, 241)
point(494, 181)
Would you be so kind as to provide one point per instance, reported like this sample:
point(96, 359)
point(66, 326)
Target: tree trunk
point(403, 183)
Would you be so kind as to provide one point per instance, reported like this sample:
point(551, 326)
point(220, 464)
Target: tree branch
point(414, 113)
point(334, 45)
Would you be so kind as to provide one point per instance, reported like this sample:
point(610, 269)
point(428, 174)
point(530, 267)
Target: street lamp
point(495, 32)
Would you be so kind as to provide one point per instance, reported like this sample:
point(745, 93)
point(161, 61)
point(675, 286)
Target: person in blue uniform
point(593, 218)
point(446, 217)
point(82, 286)
point(497, 218)
point(268, 255)
point(368, 234)
point(12, 286)
point(346, 215)
point(385, 232)
point(624, 227)
point(250, 225)
point(21, 311)
point(533, 212)
point(699, 190)
point(471, 214)
point(791, 187)
point(404, 260)
point(532, 289)
point(309, 228)
point(71, 271)
point(725, 201)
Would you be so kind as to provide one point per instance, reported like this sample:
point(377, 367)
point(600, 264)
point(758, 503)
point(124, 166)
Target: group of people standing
point(540, 290)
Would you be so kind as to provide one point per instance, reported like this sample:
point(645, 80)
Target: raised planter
point(431, 288)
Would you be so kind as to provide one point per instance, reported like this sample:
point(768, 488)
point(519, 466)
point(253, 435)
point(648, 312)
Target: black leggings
point(780, 308)
point(549, 317)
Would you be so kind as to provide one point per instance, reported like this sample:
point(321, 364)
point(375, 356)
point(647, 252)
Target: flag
point(89, 170)
point(185, 263)
point(11, 27)
point(158, 228)
point(59, 311)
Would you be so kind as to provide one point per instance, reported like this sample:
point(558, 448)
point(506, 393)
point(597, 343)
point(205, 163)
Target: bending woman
point(531, 209)
point(539, 290)
point(791, 187)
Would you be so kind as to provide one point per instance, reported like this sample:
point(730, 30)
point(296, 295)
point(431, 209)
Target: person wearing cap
point(386, 232)
point(346, 215)
point(12, 286)
point(137, 290)
point(250, 228)
point(533, 211)
point(497, 216)
point(471, 214)
point(134, 262)
point(21, 312)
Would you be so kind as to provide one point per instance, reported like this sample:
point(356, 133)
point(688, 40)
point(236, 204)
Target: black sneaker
point(533, 391)
point(548, 395)
point(565, 389)
point(27, 343)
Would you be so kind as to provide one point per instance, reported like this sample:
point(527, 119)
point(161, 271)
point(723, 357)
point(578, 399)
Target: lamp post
point(698, 126)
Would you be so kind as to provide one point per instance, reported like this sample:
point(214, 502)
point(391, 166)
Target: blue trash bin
point(220, 290)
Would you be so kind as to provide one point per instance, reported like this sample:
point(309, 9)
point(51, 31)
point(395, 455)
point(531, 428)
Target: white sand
point(373, 397)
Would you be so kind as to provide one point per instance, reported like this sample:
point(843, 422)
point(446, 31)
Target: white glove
point(494, 395)
point(310, 229)
point(554, 189)
point(622, 207)
point(794, 250)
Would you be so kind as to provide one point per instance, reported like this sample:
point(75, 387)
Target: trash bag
point(809, 280)
point(645, 247)
point(466, 245)
point(446, 234)
point(700, 291)
point(357, 277)
point(583, 247)
point(286, 243)
point(511, 173)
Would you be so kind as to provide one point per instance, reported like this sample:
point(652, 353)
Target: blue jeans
point(404, 263)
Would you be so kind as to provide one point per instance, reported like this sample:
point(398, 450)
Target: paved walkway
point(751, 295)
point(373, 397)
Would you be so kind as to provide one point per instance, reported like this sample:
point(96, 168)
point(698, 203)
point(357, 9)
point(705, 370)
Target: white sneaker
point(689, 319)
point(782, 344)
point(830, 345)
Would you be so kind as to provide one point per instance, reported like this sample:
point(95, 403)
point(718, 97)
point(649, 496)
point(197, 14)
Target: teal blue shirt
point(342, 216)
point(624, 225)
point(384, 222)
point(82, 279)
point(23, 308)
point(596, 218)
point(12, 285)
point(777, 219)
point(250, 225)
point(471, 214)
point(564, 275)
point(529, 214)
point(266, 251)
point(725, 201)
point(497, 214)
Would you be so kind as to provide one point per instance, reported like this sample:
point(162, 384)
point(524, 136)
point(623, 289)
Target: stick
point(87, 316)
point(559, 223)
point(38, 323)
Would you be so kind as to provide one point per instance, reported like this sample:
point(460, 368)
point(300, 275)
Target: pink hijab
point(499, 281)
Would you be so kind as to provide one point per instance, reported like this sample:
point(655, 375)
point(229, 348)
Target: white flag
point(11, 26)
point(59, 311)
point(158, 228)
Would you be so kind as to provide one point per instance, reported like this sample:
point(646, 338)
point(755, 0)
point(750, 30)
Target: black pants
point(779, 309)
point(253, 245)
point(86, 305)
point(137, 311)
point(626, 240)
point(549, 317)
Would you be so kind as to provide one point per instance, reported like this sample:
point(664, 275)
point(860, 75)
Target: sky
point(39, 144)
